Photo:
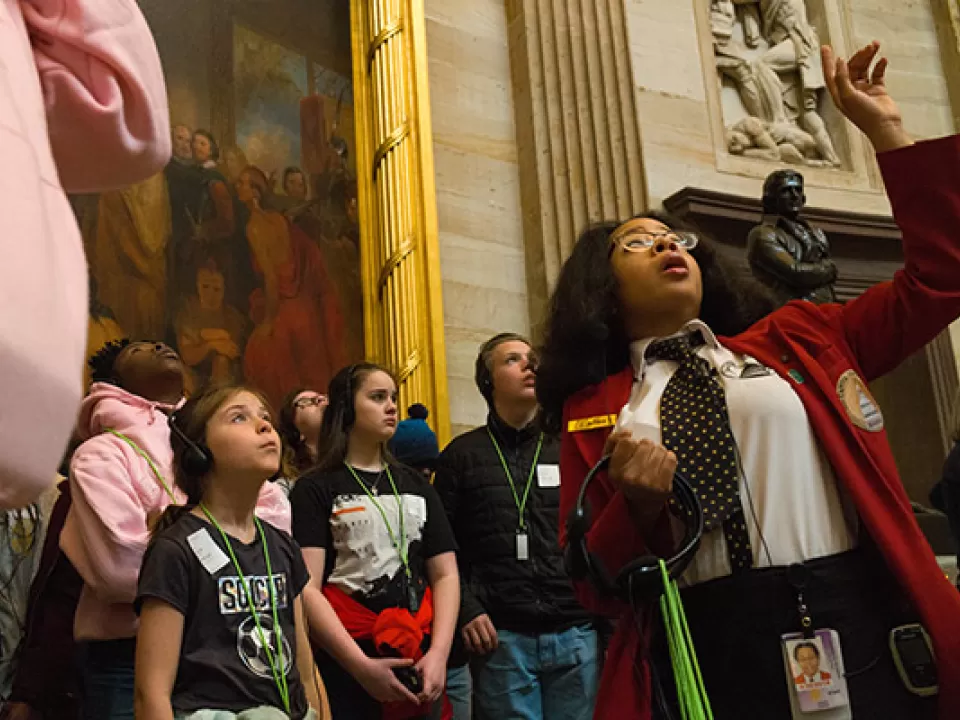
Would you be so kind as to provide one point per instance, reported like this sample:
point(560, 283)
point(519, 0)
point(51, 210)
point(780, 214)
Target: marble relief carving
point(768, 51)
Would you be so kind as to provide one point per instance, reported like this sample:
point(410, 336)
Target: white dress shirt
point(788, 490)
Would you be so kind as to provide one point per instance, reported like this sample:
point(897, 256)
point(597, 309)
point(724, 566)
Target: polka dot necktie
point(695, 425)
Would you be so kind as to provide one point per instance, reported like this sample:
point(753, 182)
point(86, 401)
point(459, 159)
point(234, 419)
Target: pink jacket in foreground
point(82, 108)
point(114, 493)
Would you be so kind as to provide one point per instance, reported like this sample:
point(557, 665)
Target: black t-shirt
point(223, 664)
point(332, 511)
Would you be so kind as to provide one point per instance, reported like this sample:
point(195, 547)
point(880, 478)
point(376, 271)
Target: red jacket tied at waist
point(396, 628)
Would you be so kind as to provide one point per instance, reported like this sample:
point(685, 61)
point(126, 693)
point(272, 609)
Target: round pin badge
point(861, 407)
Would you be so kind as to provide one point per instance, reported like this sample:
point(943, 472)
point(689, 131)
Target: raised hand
point(861, 95)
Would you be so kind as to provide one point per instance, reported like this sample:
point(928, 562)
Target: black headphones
point(196, 459)
point(640, 578)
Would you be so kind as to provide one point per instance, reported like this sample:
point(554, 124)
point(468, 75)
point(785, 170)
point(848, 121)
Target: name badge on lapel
point(591, 423)
point(859, 403)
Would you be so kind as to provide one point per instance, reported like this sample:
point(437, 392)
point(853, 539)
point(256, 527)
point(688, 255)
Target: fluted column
point(403, 315)
point(577, 130)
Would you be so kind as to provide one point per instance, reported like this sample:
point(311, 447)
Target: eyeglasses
point(640, 241)
point(310, 402)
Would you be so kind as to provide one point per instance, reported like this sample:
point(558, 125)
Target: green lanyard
point(153, 466)
point(521, 504)
point(276, 665)
point(397, 543)
point(691, 693)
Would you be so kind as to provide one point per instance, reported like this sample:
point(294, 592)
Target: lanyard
point(691, 692)
point(521, 504)
point(397, 543)
point(276, 664)
point(153, 466)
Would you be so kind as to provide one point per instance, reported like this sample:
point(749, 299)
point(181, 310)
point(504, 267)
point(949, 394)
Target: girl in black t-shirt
point(384, 591)
point(222, 625)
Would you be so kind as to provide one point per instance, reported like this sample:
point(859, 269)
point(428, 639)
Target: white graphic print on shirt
point(366, 557)
point(233, 595)
point(233, 600)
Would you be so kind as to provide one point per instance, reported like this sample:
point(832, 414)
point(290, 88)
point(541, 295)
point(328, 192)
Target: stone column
point(403, 314)
point(577, 129)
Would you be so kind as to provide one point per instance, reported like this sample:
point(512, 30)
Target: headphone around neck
point(640, 579)
point(196, 459)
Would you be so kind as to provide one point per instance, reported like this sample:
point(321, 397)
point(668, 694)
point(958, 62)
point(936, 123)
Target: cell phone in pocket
point(913, 657)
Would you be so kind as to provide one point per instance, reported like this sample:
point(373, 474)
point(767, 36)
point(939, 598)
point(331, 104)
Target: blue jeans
point(459, 692)
point(106, 668)
point(538, 677)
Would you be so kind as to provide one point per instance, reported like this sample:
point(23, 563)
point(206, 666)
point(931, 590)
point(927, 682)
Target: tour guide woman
point(797, 474)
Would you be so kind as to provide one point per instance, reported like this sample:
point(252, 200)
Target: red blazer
point(812, 347)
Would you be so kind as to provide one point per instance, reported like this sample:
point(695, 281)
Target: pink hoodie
point(114, 492)
point(82, 108)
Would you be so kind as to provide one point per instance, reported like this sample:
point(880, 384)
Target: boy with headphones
point(121, 480)
point(500, 485)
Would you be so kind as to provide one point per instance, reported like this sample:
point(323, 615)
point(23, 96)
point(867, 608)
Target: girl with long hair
point(658, 356)
point(384, 591)
point(301, 416)
point(222, 627)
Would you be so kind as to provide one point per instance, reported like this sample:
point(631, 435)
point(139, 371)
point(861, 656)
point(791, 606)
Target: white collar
point(638, 348)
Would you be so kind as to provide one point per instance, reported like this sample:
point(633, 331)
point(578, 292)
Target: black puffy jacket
point(530, 596)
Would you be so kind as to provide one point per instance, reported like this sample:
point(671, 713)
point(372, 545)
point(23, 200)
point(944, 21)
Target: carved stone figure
point(778, 75)
point(795, 48)
point(758, 86)
point(776, 141)
point(785, 252)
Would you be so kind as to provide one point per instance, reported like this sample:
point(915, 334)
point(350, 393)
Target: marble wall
point(478, 189)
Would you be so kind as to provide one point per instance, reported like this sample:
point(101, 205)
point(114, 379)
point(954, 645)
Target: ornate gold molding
point(400, 266)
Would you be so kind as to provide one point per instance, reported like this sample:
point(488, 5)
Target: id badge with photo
point(815, 676)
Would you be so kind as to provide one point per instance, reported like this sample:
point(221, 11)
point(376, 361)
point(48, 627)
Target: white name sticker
point(207, 551)
point(548, 476)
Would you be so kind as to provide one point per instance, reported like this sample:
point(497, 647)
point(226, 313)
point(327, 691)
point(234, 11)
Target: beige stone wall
point(478, 192)
point(674, 98)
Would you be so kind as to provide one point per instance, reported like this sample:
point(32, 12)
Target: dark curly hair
point(584, 338)
point(103, 363)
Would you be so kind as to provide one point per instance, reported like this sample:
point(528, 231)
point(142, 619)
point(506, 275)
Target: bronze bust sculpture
point(785, 252)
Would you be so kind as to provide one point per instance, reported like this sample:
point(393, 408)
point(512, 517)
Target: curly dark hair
point(584, 338)
point(103, 363)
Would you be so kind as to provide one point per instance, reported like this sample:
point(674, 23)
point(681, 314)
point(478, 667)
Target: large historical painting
point(244, 252)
